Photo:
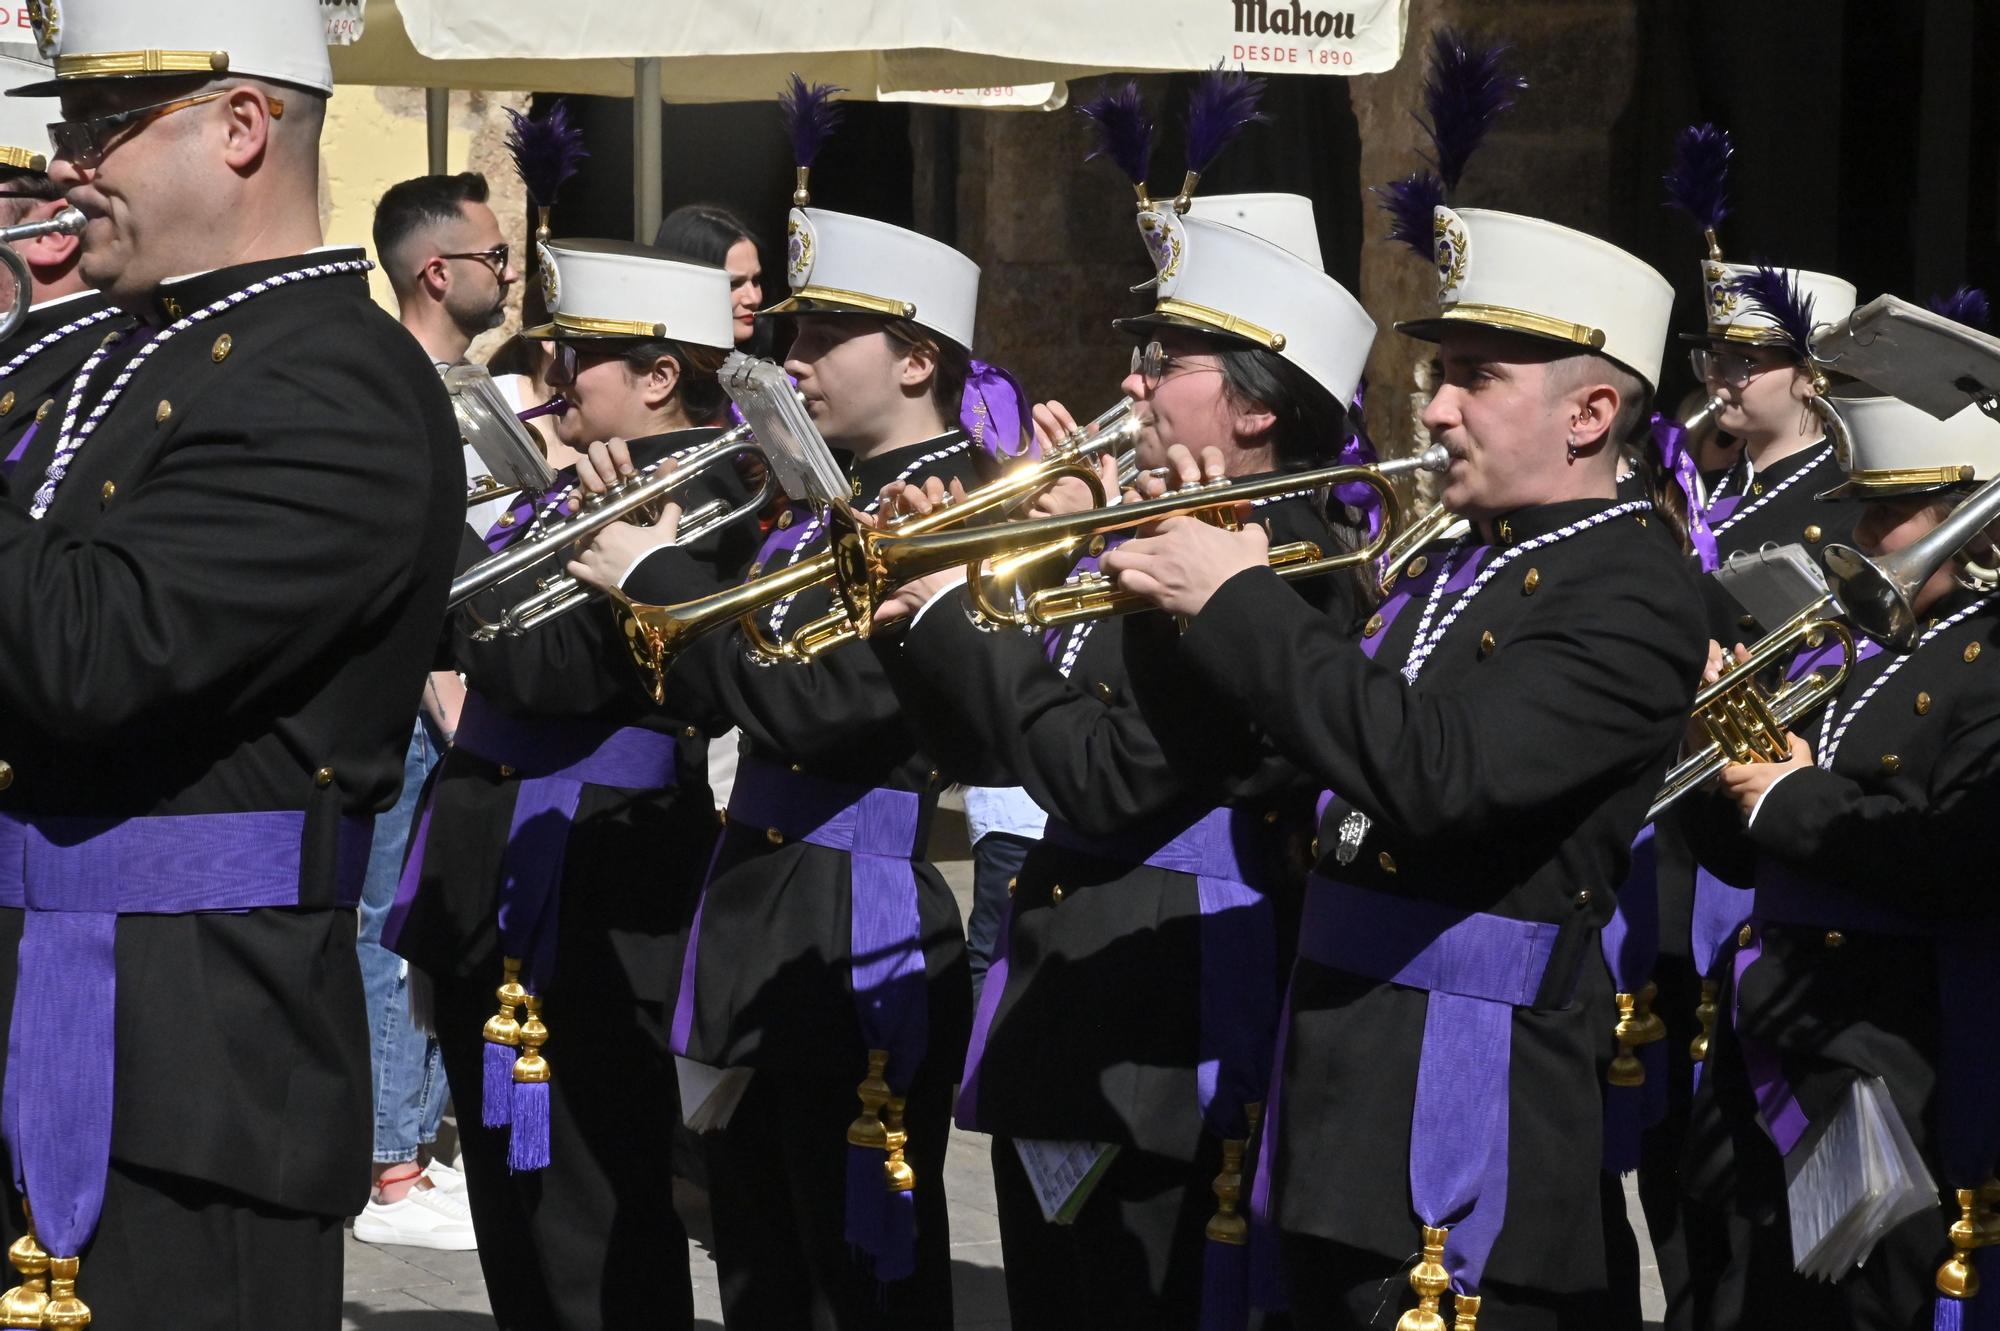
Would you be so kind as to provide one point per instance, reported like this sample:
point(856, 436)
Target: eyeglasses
point(1152, 364)
point(495, 258)
point(1730, 368)
point(84, 142)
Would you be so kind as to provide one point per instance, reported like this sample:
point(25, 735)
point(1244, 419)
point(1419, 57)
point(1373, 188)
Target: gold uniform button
point(1744, 935)
point(105, 491)
point(1487, 642)
point(689, 732)
point(774, 836)
point(1891, 764)
point(1923, 704)
point(1583, 896)
point(1055, 894)
point(1835, 938)
point(784, 519)
point(161, 412)
point(1387, 861)
point(1971, 651)
point(1102, 690)
point(1096, 546)
point(1813, 533)
point(42, 412)
point(506, 520)
point(220, 351)
point(1372, 627)
point(1746, 622)
point(1417, 566)
point(323, 777)
point(6, 402)
point(1532, 581)
point(1012, 883)
point(798, 769)
point(6, 774)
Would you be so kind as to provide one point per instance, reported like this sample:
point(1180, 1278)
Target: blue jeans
point(996, 859)
point(408, 1072)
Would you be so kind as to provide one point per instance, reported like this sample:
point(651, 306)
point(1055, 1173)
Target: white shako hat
point(1898, 449)
point(280, 40)
point(1230, 283)
point(24, 125)
point(1734, 317)
point(1286, 220)
point(837, 263)
point(608, 289)
point(1523, 275)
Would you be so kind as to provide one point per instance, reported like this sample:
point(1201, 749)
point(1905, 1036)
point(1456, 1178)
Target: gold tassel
point(1465, 1312)
point(867, 1129)
point(27, 1303)
point(1651, 1029)
point(1626, 1070)
point(1958, 1278)
point(501, 1027)
point(896, 1170)
point(530, 1065)
point(1226, 1225)
point(1704, 1012)
point(65, 1310)
point(1430, 1280)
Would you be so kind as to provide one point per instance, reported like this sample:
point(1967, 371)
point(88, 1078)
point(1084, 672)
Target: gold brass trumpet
point(625, 501)
point(875, 561)
point(1747, 724)
point(654, 634)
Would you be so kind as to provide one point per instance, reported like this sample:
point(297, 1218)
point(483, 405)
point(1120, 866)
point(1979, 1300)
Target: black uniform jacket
point(773, 987)
point(1096, 1036)
point(230, 607)
point(633, 858)
point(1510, 779)
point(1903, 823)
point(1786, 518)
point(37, 387)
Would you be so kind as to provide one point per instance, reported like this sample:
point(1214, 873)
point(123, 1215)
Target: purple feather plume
point(1967, 305)
point(1222, 105)
point(1123, 130)
point(1465, 90)
point(547, 151)
point(811, 115)
point(1698, 181)
point(1410, 203)
point(1773, 291)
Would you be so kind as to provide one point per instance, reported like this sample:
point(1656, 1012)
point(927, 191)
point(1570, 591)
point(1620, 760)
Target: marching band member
point(1134, 1001)
point(562, 845)
point(1489, 767)
point(826, 951)
point(224, 587)
point(66, 319)
point(1861, 954)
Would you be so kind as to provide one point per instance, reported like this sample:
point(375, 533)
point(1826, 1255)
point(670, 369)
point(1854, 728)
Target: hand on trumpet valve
point(904, 499)
point(1179, 564)
point(1697, 737)
point(1052, 425)
point(607, 557)
point(1748, 783)
point(1182, 472)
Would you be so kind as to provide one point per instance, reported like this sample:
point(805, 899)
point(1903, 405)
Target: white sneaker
point(444, 1177)
point(423, 1218)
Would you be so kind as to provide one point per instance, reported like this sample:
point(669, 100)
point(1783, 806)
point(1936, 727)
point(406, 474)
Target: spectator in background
point(708, 234)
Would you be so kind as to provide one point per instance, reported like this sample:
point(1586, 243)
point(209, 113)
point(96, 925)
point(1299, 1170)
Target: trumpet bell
point(68, 222)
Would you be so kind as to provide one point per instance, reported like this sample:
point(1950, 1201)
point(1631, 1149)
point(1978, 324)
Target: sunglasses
point(1152, 364)
point(85, 142)
point(495, 258)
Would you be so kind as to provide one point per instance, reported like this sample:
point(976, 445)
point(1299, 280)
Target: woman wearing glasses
point(562, 843)
point(1129, 1014)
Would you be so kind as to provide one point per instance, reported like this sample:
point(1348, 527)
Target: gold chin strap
point(1900, 477)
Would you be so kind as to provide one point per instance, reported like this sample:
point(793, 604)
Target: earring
point(1572, 450)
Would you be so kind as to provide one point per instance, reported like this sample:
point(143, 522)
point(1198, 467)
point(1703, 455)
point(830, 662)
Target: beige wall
point(376, 137)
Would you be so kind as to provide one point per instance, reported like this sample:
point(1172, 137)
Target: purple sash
point(878, 830)
point(1670, 438)
point(74, 877)
point(20, 448)
point(1477, 968)
point(556, 759)
point(991, 410)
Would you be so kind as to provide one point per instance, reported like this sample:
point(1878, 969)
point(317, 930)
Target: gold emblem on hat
point(798, 250)
point(1451, 245)
point(1723, 298)
point(1166, 242)
point(551, 284)
point(46, 18)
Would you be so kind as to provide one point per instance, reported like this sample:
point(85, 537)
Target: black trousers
point(1338, 1288)
point(180, 1253)
point(777, 1196)
point(1661, 1147)
point(1133, 1257)
point(592, 1241)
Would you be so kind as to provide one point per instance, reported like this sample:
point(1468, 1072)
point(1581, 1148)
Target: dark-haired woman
point(1131, 1008)
point(562, 843)
point(709, 234)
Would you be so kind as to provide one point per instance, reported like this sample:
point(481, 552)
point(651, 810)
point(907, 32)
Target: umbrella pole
point(646, 146)
point(437, 127)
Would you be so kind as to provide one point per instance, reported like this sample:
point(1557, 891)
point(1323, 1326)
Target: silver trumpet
point(629, 499)
point(68, 222)
point(1878, 595)
point(1703, 414)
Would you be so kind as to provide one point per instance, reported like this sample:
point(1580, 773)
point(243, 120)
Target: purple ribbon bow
point(1670, 437)
point(991, 411)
